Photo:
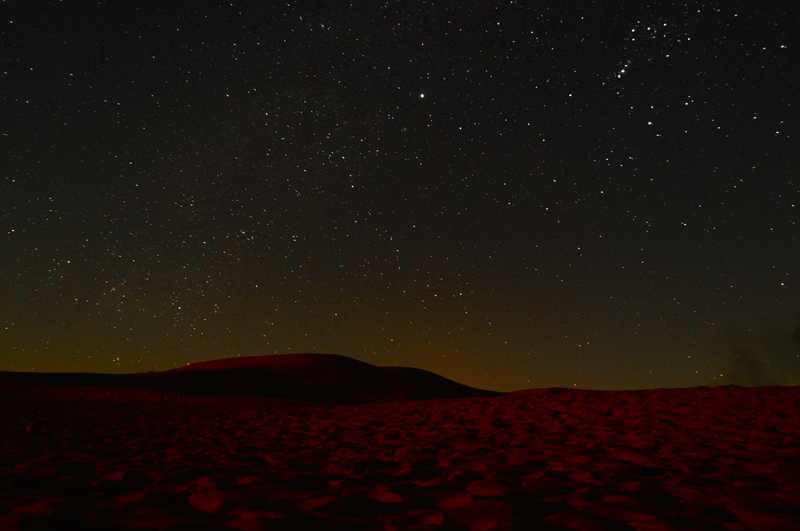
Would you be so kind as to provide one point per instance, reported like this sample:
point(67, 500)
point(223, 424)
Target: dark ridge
point(326, 378)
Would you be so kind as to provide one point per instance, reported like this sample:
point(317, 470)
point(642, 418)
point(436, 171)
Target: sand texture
point(722, 458)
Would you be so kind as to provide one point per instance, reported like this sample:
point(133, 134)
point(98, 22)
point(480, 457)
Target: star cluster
point(511, 194)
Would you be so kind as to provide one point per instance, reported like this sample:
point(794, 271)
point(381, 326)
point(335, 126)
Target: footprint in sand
point(34, 430)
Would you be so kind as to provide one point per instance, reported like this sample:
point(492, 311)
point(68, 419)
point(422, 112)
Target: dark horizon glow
point(512, 195)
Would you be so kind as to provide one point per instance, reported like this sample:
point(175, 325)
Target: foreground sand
point(724, 458)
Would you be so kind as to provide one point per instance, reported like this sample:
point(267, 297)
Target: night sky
point(511, 194)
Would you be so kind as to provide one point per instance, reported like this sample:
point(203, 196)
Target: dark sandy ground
point(105, 458)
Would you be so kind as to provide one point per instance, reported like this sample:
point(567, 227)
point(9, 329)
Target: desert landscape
point(319, 442)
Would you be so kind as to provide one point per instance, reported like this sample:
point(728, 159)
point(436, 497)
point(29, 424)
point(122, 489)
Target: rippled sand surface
point(722, 458)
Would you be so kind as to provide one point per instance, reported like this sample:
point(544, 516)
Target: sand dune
point(722, 458)
point(324, 378)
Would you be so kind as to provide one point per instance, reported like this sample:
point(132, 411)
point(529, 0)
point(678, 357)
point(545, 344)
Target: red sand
point(723, 458)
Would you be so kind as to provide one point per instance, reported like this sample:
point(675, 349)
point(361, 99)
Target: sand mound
point(318, 377)
point(325, 378)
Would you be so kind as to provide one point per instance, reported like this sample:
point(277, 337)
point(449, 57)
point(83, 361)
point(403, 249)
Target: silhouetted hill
point(327, 378)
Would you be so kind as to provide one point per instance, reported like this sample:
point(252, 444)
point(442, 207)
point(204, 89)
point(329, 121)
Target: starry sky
point(511, 194)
